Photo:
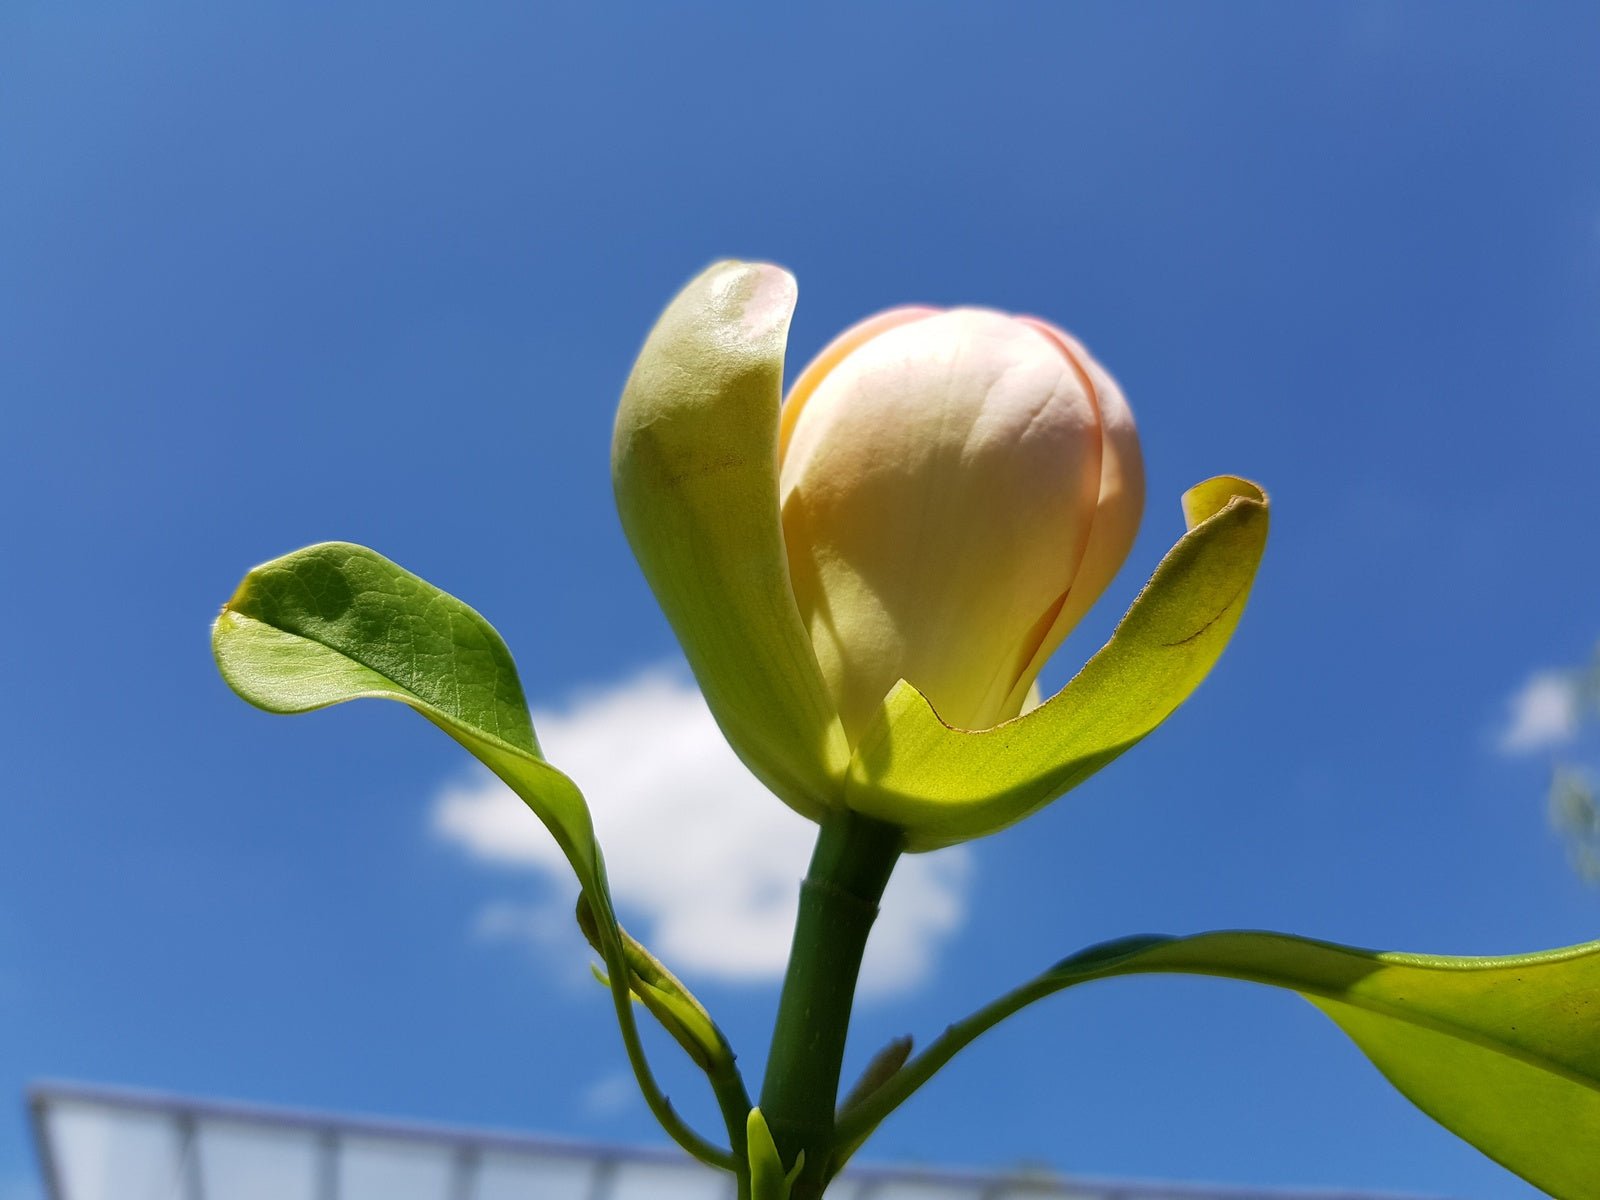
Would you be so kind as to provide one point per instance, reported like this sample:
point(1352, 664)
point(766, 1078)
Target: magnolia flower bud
point(866, 579)
point(956, 488)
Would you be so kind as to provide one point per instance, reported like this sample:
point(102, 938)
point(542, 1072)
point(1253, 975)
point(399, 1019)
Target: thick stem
point(838, 903)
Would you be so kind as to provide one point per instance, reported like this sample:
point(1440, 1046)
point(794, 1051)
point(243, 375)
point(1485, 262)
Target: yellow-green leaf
point(1504, 1052)
point(337, 622)
point(945, 785)
point(695, 466)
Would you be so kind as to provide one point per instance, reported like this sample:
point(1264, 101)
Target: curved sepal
point(945, 785)
point(695, 467)
point(1503, 1052)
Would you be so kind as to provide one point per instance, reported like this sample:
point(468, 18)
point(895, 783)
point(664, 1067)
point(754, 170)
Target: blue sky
point(284, 274)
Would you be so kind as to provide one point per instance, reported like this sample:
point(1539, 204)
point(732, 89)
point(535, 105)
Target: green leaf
point(945, 785)
point(1504, 1052)
point(695, 466)
point(337, 622)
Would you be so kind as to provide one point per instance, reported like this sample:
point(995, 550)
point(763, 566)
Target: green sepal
point(768, 1178)
point(695, 467)
point(665, 997)
point(945, 785)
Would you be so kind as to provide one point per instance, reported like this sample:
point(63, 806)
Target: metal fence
point(98, 1143)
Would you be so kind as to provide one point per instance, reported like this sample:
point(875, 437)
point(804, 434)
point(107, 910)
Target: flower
point(956, 488)
point(867, 583)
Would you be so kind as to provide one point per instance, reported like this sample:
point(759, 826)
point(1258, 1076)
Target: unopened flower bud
point(956, 488)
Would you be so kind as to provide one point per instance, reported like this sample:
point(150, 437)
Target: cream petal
point(944, 785)
point(937, 492)
point(832, 355)
point(1118, 510)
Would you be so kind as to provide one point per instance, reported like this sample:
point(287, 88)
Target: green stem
point(682, 1016)
point(734, 1101)
point(856, 1124)
point(838, 904)
point(617, 975)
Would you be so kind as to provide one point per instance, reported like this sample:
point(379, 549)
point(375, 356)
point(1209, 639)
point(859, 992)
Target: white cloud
point(609, 1095)
point(547, 924)
point(694, 845)
point(1543, 713)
